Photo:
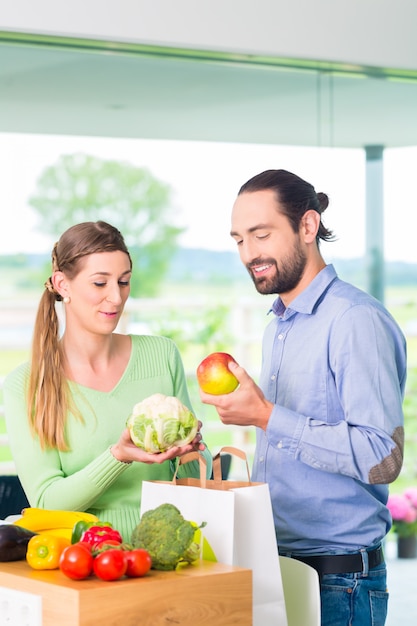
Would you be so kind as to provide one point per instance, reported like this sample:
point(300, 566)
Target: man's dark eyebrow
point(252, 229)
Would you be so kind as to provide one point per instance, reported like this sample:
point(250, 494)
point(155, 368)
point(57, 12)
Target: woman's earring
point(67, 300)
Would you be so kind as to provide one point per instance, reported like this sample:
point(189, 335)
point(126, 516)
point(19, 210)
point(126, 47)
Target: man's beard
point(285, 279)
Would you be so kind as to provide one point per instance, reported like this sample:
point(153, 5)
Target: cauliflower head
point(160, 422)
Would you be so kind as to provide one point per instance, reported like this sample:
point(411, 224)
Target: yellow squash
point(36, 519)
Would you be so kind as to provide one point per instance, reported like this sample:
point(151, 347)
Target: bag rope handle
point(187, 458)
point(217, 468)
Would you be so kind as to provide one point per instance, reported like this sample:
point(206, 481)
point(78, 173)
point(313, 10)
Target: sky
point(205, 178)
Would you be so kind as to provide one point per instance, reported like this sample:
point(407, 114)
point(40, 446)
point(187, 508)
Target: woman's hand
point(126, 451)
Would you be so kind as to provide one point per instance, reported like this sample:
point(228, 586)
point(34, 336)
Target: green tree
point(80, 187)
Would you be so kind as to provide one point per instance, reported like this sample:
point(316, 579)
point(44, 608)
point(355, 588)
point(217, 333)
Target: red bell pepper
point(81, 526)
point(96, 535)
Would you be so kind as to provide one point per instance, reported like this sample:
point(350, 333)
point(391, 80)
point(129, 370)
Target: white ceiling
point(65, 90)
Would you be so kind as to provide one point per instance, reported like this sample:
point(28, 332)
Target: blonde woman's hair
point(49, 398)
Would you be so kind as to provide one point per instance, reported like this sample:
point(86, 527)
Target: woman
point(66, 411)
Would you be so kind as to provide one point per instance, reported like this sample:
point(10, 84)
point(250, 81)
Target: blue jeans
point(354, 599)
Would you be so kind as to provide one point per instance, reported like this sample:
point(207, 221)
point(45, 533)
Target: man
point(328, 411)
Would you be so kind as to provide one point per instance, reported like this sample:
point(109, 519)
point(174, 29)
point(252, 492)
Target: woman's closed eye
point(121, 283)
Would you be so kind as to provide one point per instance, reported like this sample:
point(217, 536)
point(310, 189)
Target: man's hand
point(247, 406)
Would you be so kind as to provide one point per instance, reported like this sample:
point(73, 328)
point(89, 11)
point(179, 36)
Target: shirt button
point(261, 459)
point(273, 377)
point(279, 444)
point(280, 336)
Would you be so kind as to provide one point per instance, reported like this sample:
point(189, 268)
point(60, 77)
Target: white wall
point(371, 32)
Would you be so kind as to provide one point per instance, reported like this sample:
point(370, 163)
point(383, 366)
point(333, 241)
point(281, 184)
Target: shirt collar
point(306, 301)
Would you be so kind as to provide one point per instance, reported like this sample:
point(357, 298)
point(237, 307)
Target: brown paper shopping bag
point(239, 527)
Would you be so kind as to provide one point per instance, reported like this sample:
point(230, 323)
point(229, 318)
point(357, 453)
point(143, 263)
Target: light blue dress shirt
point(334, 365)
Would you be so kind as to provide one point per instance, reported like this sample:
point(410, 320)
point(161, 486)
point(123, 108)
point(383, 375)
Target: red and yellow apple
point(214, 376)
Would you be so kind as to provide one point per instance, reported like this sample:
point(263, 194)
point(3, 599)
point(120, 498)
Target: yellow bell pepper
point(44, 551)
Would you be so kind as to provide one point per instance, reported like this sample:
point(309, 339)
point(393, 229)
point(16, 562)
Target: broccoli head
point(167, 536)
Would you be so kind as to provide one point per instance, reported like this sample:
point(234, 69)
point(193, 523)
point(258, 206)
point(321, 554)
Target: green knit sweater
point(88, 477)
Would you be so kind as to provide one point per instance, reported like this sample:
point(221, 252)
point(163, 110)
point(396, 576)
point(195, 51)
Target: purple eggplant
point(14, 542)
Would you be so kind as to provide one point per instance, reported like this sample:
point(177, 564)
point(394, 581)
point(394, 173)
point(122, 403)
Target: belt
point(342, 563)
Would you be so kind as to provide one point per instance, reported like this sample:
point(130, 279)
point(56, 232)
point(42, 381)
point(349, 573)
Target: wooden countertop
point(194, 595)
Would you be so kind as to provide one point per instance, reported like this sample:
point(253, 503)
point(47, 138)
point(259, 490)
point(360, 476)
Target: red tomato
point(138, 562)
point(110, 564)
point(76, 561)
point(107, 544)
